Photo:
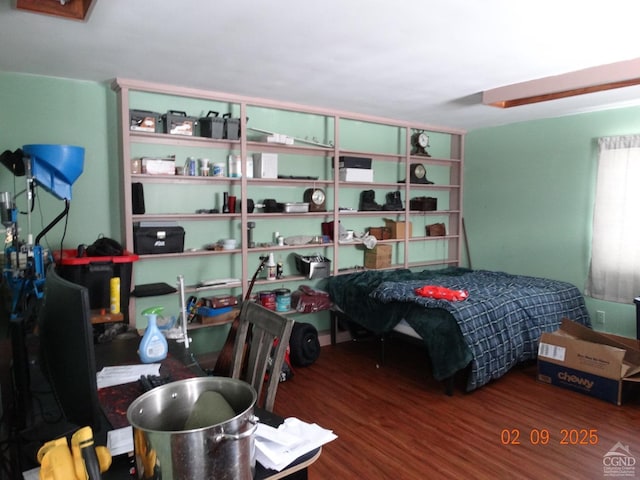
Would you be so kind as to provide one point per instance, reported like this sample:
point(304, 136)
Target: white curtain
point(615, 257)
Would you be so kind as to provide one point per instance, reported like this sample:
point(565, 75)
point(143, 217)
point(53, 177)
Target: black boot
point(368, 201)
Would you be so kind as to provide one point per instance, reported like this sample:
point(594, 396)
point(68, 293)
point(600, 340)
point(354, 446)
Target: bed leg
point(448, 386)
point(334, 325)
point(381, 341)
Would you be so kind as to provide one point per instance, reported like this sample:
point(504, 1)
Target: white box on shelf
point(265, 165)
point(356, 175)
point(158, 166)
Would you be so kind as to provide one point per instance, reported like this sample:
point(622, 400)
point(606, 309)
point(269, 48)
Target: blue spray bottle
point(153, 346)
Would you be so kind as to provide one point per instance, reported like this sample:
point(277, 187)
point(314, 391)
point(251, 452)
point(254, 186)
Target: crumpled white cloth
point(278, 447)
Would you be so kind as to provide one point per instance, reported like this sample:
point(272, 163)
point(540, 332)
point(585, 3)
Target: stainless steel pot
point(164, 450)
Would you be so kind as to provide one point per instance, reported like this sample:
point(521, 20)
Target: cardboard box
point(218, 316)
point(378, 257)
point(356, 175)
point(158, 166)
point(602, 365)
point(397, 228)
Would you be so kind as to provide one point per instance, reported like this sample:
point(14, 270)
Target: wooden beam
point(74, 9)
point(581, 82)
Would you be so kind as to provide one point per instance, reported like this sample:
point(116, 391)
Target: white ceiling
point(420, 60)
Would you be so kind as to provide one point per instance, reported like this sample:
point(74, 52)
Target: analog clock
point(316, 198)
point(420, 142)
point(418, 174)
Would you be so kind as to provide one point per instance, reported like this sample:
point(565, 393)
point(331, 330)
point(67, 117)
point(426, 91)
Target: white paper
point(277, 448)
point(120, 441)
point(33, 474)
point(110, 376)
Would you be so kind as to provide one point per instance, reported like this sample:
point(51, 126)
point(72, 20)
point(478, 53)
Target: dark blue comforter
point(499, 324)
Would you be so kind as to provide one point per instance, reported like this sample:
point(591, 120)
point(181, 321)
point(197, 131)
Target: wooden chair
point(257, 329)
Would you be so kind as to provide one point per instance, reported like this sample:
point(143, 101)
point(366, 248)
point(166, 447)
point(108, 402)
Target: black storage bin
point(353, 162)
point(95, 273)
point(176, 122)
point(211, 126)
point(158, 239)
point(231, 127)
point(143, 121)
point(313, 266)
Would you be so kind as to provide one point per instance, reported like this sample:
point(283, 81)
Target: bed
point(495, 328)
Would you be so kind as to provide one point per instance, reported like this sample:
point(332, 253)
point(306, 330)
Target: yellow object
point(55, 461)
point(114, 297)
point(147, 459)
point(59, 462)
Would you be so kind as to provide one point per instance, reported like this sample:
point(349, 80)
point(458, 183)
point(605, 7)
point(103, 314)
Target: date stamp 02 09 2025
point(542, 436)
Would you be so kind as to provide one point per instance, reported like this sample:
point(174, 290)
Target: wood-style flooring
point(395, 422)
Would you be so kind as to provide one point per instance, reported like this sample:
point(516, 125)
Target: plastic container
point(153, 346)
point(218, 169)
point(212, 126)
point(96, 273)
point(271, 268)
point(56, 167)
point(114, 294)
point(283, 299)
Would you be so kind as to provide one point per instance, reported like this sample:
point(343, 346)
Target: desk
point(116, 400)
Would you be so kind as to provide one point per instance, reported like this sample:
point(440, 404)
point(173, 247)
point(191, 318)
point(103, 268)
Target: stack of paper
point(110, 376)
point(278, 447)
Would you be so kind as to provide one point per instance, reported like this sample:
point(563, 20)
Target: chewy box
point(583, 360)
point(154, 239)
point(378, 257)
point(95, 273)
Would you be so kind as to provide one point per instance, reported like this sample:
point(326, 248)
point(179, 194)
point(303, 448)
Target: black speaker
point(137, 198)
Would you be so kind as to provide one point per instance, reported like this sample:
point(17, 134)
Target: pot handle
point(221, 437)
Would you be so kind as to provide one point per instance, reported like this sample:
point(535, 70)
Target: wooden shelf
point(342, 128)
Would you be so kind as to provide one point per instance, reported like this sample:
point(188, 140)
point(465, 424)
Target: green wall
point(529, 187)
point(48, 110)
point(528, 201)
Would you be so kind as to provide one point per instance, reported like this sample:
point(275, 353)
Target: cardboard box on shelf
point(577, 358)
point(397, 228)
point(217, 316)
point(378, 257)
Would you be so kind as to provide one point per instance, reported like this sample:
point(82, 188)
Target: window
point(614, 273)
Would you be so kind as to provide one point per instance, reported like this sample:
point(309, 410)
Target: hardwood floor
point(395, 422)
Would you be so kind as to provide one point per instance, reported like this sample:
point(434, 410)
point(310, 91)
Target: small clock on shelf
point(316, 199)
point(420, 142)
point(418, 174)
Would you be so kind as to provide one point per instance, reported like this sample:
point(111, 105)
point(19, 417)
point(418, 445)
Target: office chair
point(257, 329)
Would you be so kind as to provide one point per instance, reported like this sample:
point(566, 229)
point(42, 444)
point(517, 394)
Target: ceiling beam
point(581, 82)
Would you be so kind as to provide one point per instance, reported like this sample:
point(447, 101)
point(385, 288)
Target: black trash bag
point(304, 344)
point(104, 247)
